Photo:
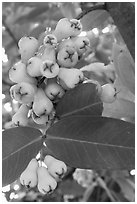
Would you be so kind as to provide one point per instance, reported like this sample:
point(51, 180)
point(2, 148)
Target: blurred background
point(33, 19)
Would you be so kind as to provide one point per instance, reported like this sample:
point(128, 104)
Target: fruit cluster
point(44, 177)
point(54, 60)
point(42, 76)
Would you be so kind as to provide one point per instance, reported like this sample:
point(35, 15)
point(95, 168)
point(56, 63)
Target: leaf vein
point(81, 109)
point(18, 150)
point(93, 143)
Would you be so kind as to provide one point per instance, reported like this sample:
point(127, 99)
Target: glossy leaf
point(126, 70)
point(93, 142)
point(120, 108)
point(19, 146)
point(94, 19)
point(82, 100)
point(124, 66)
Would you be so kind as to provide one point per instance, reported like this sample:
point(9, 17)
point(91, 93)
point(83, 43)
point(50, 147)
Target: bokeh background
point(33, 19)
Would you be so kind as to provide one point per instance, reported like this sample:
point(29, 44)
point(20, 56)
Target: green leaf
point(32, 14)
point(120, 108)
point(93, 142)
point(127, 188)
point(125, 67)
point(126, 70)
point(82, 100)
point(94, 19)
point(19, 146)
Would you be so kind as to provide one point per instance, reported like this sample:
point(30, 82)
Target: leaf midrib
point(18, 150)
point(81, 109)
point(83, 141)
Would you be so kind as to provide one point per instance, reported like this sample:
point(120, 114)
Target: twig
point(41, 81)
point(96, 7)
point(88, 192)
point(103, 185)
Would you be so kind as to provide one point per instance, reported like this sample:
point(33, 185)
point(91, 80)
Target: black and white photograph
point(68, 101)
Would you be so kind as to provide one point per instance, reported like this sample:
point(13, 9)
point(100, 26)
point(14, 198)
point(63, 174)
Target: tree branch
point(41, 81)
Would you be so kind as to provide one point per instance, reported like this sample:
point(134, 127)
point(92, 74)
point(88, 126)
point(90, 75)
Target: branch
point(93, 8)
point(88, 192)
point(104, 186)
point(41, 81)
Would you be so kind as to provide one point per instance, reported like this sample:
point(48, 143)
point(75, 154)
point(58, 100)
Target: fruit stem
point(41, 81)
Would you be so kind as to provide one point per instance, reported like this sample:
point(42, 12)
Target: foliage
point(85, 133)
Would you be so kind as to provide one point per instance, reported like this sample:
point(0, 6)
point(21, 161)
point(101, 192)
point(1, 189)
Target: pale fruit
point(108, 94)
point(46, 183)
point(49, 69)
point(42, 119)
point(81, 43)
point(67, 57)
point(27, 47)
point(50, 40)
point(29, 175)
point(18, 73)
point(93, 38)
point(33, 66)
point(48, 53)
point(23, 92)
point(54, 91)
point(12, 91)
point(70, 77)
point(102, 54)
point(56, 168)
point(20, 118)
point(66, 43)
point(42, 104)
point(66, 28)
